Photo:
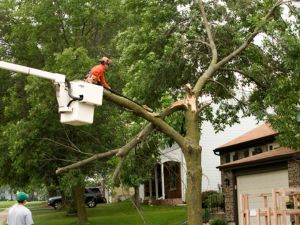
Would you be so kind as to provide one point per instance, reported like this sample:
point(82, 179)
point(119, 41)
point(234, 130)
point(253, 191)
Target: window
point(227, 158)
point(257, 150)
point(234, 156)
point(246, 153)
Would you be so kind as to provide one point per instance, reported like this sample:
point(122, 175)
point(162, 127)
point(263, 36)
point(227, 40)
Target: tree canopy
point(191, 61)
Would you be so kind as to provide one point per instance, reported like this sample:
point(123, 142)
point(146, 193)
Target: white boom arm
point(35, 72)
point(76, 99)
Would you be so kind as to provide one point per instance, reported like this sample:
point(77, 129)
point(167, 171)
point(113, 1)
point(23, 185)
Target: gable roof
point(269, 156)
point(263, 131)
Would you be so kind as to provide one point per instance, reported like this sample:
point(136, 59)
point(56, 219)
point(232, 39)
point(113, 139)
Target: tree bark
point(80, 205)
point(194, 186)
point(137, 197)
point(192, 154)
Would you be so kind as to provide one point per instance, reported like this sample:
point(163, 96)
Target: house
point(6, 193)
point(254, 163)
point(168, 183)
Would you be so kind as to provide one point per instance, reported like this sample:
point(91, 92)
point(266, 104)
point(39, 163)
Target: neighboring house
point(254, 163)
point(6, 194)
point(168, 183)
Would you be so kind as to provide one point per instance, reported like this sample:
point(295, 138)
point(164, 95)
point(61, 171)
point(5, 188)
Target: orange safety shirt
point(98, 72)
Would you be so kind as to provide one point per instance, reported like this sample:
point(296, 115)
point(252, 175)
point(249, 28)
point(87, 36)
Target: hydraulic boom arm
point(35, 72)
point(76, 99)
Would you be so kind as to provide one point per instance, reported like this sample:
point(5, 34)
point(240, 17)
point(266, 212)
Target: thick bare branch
point(122, 152)
point(141, 112)
point(250, 38)
point(86, 161)
point(212, 44)
point(214, 67)
point(136, 140)
point(118, 169)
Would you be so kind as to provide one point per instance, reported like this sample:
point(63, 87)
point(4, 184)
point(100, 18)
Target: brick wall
point(228, 189)
point(294, 173)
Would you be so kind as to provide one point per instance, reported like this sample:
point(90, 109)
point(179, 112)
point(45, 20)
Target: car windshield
point(95, 190)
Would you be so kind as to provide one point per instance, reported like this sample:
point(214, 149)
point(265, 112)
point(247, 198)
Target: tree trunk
point(192, 153)
point(137, 197)
point(194, 186)
point(80, 205)
point(69, 202)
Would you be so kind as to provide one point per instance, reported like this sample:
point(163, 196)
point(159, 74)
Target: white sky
point(210, 140)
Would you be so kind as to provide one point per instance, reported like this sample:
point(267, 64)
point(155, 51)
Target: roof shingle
point(263, 130)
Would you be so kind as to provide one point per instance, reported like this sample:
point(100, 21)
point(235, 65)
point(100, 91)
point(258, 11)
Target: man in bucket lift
point(96, 74)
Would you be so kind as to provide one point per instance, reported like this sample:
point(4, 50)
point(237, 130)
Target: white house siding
point(6, 194)
point(256, 184)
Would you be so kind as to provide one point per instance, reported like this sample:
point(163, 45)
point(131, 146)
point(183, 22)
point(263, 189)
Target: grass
point(114, 214)
point(7, 204)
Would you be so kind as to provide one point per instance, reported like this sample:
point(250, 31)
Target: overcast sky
point(210, 140)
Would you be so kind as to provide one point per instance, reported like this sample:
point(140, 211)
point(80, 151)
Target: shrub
point(217, 222)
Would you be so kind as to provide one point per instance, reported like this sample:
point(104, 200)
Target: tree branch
point(214, 67)
point(122, 152)
point(250, 38)
point(74, 148)
point(86, 161)
point(228, 91)
point(212, 44)
point(141, 112)
point(118, 169)
point(260, 84)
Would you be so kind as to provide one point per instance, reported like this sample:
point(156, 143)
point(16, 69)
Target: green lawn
point(7, 204)
point(113, 214)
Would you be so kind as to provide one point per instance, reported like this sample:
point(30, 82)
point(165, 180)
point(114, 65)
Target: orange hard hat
point(106, 60)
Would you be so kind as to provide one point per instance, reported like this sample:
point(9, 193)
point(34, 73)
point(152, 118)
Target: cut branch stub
point(191, 101)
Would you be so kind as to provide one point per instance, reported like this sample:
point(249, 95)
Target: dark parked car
point(92, 195)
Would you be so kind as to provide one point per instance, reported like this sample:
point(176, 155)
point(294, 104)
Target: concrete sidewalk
point(3, 216)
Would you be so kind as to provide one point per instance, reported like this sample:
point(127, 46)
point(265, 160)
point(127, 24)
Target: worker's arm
point(103, 82)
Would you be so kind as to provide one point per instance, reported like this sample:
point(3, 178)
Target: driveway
point(3, 216)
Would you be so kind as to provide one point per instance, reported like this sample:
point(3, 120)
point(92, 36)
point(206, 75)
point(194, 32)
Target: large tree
point(207, 47)
point(210, 47)
point(61, 36)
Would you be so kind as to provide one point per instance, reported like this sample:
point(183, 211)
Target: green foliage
point(213, 199)
point(72, 179)
point(158, 46)
point(164, 54)
point(217, 222)
point(64, 37)
point(140, 163)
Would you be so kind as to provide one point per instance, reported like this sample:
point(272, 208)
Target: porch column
point(162, 181)
point(150, 191)
point(156, 182)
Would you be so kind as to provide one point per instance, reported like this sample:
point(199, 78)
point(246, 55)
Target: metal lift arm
point(76, 99)
point(59, 78)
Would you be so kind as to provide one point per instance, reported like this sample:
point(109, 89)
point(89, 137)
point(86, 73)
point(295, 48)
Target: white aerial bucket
point(82, 112)
point(73, 112)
